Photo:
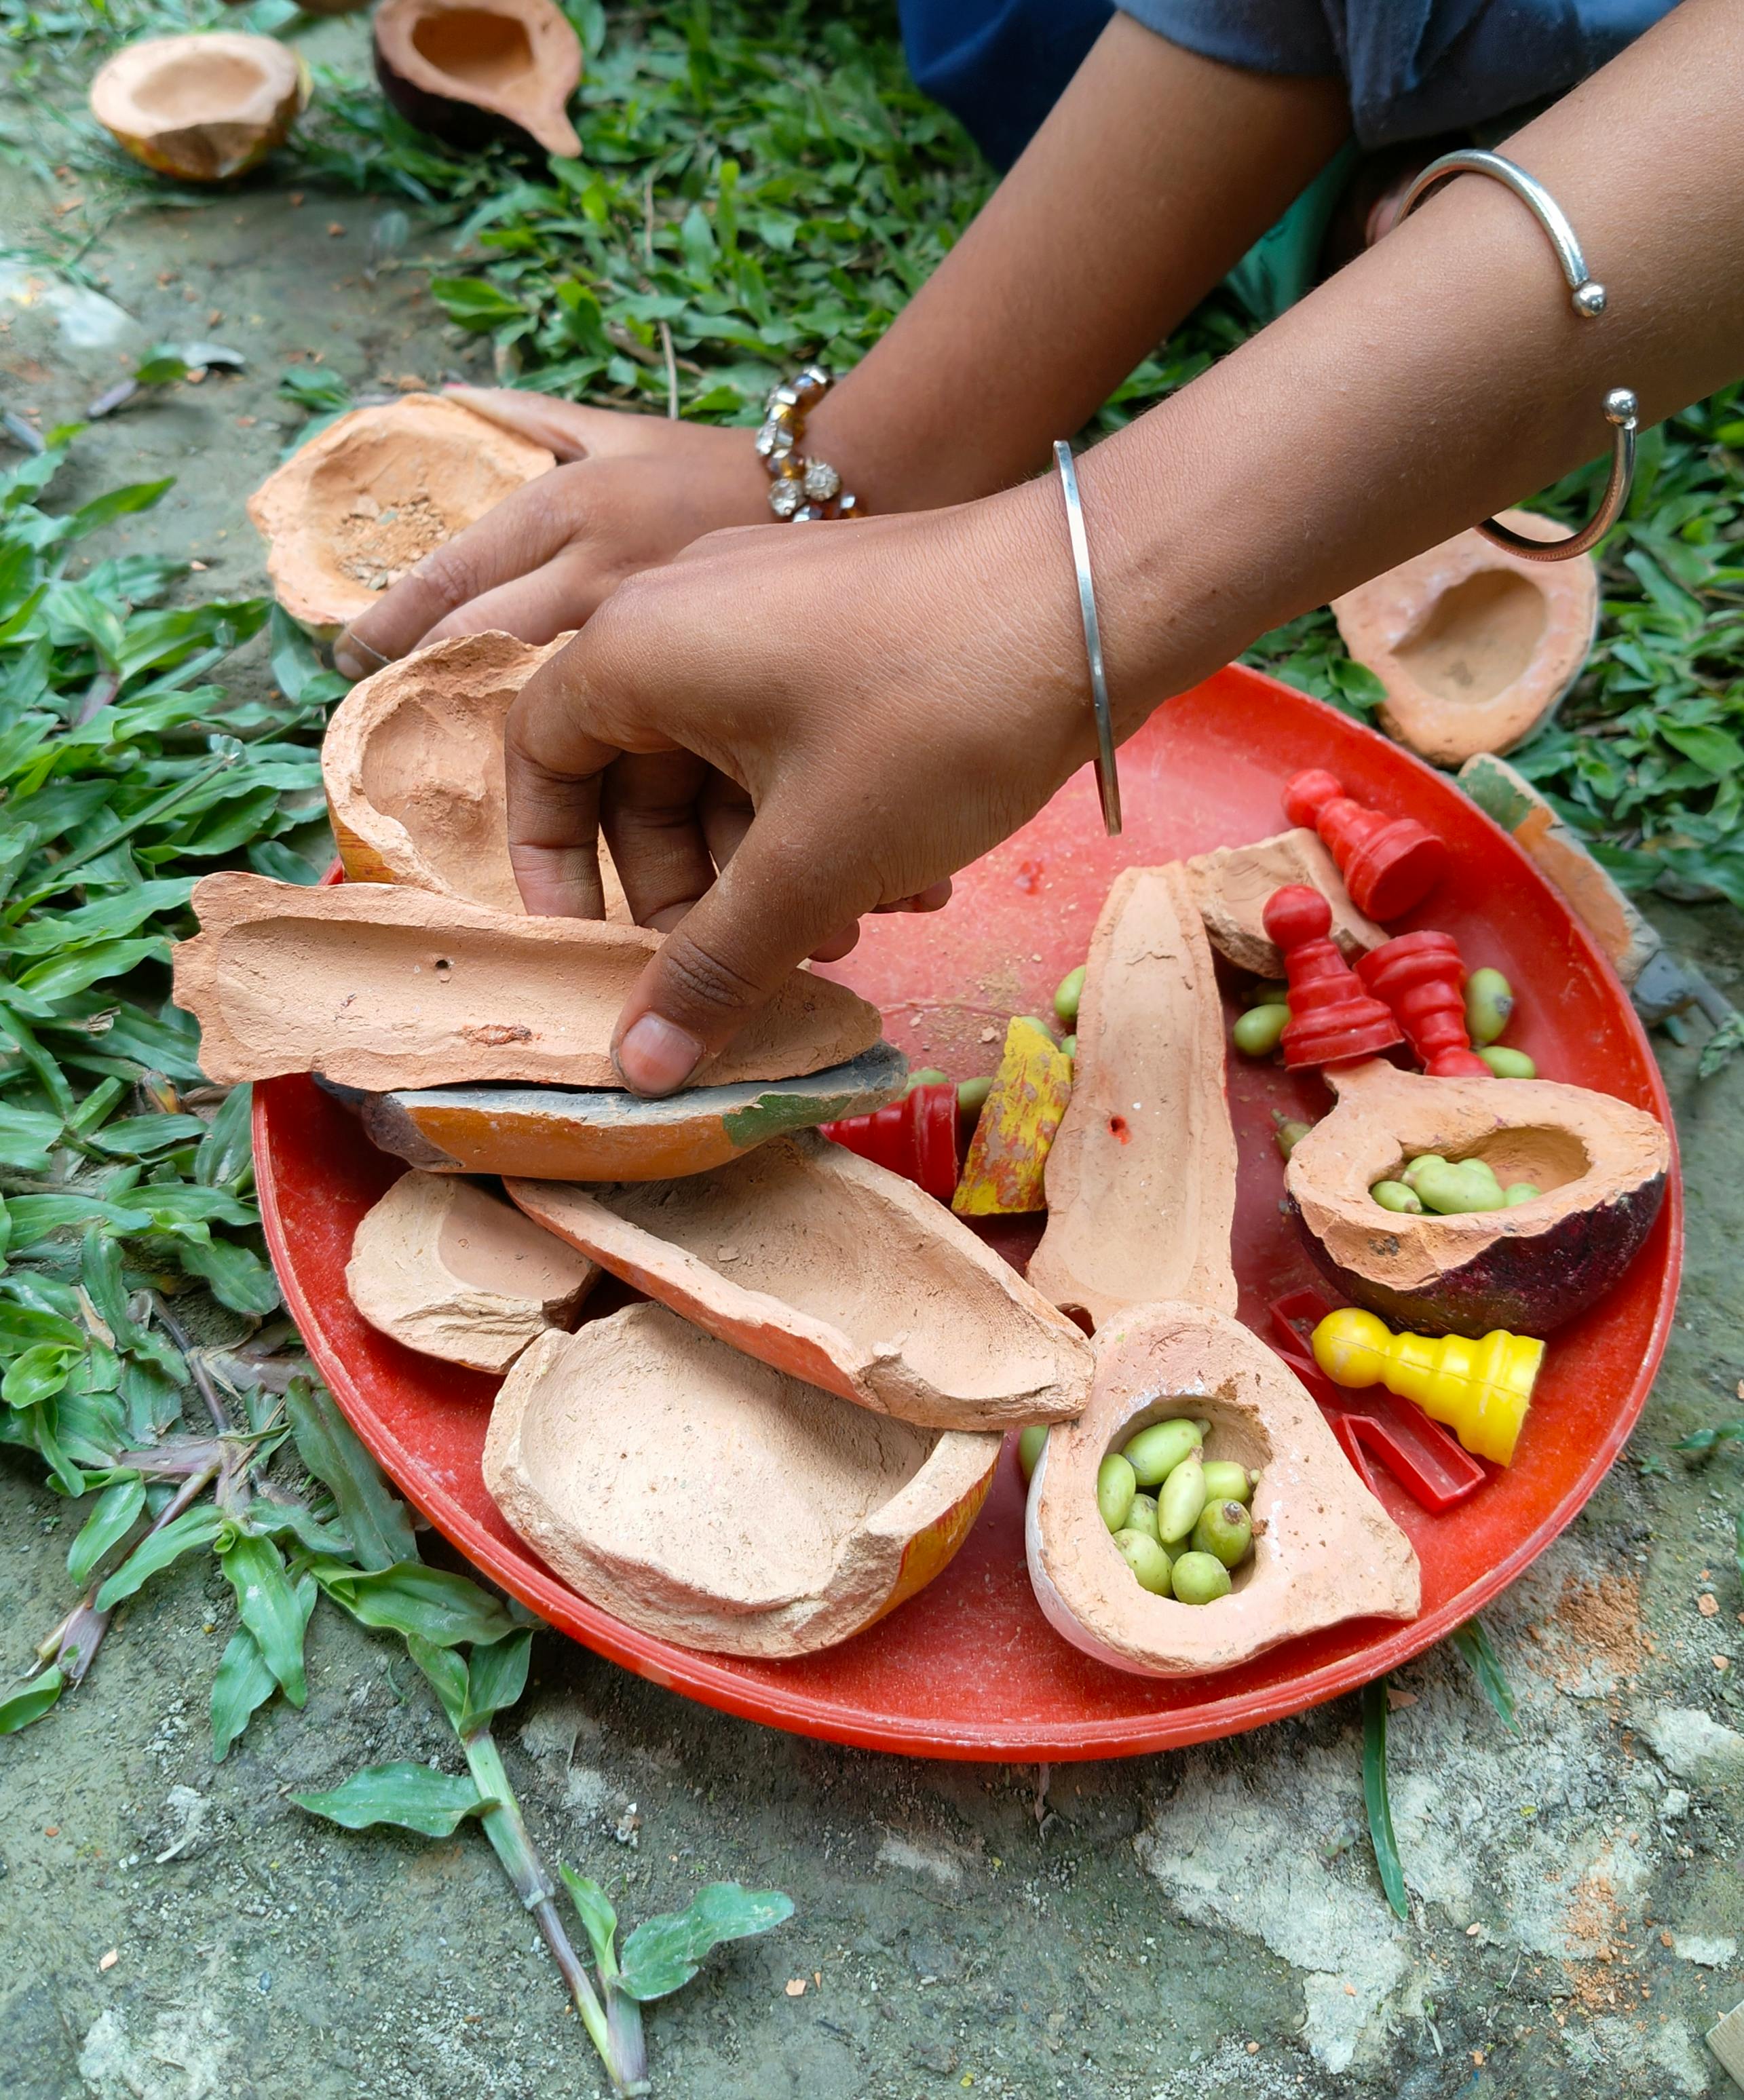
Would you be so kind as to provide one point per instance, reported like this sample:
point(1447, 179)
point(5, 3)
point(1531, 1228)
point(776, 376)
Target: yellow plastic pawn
point(1481, 1390)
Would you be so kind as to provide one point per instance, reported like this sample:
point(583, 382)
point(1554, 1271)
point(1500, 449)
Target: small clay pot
point(469, 72)
point(203, 108)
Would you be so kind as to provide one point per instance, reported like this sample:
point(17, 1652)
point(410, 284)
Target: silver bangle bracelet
point(1107, 776)
point(1589, 300)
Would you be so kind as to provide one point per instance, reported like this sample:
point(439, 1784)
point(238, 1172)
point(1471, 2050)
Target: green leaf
point(412, 1796)
point(32, 1702)
point(1472, 1641)
point(1721, 1047)
point(474, 302)
point(599, 1921)
point(236, 1276)
point(1705, 1440)
point(663, 1953)
point(1712, 749)
point(444, 1609)
point(375, 1520)
point(113, 1515)
point(27, 1138)
point(227, 1153)
point(266, 1607)
point(496, 1678)
point(45, 983)
point(243, 1683)
point(187, 1533)
point(117, 503)
point(1375, 1795)
point(447, 1671)
point(36, 1375)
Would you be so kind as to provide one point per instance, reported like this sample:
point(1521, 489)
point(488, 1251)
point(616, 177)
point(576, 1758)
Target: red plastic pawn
point(914, 1137)
point(1388, 864)
point(1332, 1020)
point(1420, 976)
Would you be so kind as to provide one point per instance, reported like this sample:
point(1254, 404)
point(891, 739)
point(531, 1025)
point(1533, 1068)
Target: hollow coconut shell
point(1324, 1551)
point(203, 108)
point(836, 1271)
point(1600, 1164)
point(469, 72)
point(379, 986)
point(453, 1272)
point(1232, 886)
point(412, 763)
point(374, 492)
point(1475, 644)
point(699, 1495)
point(1140, 1178)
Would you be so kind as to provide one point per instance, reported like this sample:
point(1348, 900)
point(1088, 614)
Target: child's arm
point(896, 696)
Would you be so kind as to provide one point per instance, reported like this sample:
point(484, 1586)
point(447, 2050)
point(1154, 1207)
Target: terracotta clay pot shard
point(203, 108)
point(1231, 887)
point(366, 499)
point(1325, 1551)
point(378, 987)
point(1601, 1166)
point(699, 1495)
point(839, 1272)
point(456, 1273)
point(469, 72)
point(1475, 646)
point(1141, 1180)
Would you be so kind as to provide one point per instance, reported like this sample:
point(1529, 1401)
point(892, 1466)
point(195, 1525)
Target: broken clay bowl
point(699, 1495)
point(1232, 886)
point(471, 71)
point(839, 1272)
point(203, 108)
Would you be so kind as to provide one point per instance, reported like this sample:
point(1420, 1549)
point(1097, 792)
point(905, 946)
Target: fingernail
point(656, 1055)
point(346, 665)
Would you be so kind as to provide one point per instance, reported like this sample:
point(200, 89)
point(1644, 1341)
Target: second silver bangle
point(1107, 773)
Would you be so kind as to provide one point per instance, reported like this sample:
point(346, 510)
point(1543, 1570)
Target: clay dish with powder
point(349, 512)
point(469, 72)
point(1600, 1164)
point(456, 1273)
point(838, 1272)
point(203, 108)
point(699, 1495)
point(1325, 1551)
point(412, 763)
point(1476, 646)
point(377, 986)
point(1232, 885)
point(1140, 1181)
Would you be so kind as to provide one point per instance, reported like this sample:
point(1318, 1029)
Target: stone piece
point(1231, 885)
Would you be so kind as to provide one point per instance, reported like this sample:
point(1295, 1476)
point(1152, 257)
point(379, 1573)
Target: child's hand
point(631, 491)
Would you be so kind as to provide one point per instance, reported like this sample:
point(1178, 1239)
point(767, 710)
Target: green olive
point(1227, 1482)
point(1142, 1516)
point(1200, 1578)
point(1519, 1192)
point(1183, 1497)
point(1030, 1442)
point(1489, 1005)
point(1508, 1064)
point(1147, 1561)
point(1464, 1185)
point(1069, 1046)
point(1066, 999)
point(1408, 1174)
point(1224, 1531)
point(1396, 1196)
point(971, 1095)
point(1256, 1033)
point(1266, 991)
point(1116, 1487)
point(929, 1075)
point(1290, 1134)
point(1156, 1451)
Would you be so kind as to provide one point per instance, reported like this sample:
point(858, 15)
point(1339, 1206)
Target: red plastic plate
point(969, 1668)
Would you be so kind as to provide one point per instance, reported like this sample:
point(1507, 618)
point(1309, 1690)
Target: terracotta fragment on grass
point(703, 1496)
point(366, 499)
point(839, 1272)
point(469, 72)
point(1601, 1166)
point(454, 1273)
point(381, 987)
point(203, 108)
point(1140, 1181)
point(1475, 644)
point(1232, 885)
point(1325, 1551)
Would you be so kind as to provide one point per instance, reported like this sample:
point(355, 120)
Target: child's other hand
point(629, 492)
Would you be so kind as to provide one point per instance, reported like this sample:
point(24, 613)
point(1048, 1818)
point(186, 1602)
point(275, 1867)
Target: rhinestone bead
point(822, 480)
point(811, 383)
point(784, 497)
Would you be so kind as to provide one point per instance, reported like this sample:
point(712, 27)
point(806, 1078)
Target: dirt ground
point(1206, 1925)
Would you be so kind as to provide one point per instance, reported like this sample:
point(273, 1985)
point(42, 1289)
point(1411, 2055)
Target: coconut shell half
point(699, 1495)
point(469, 72)
point(1601, 1166)
point(349, 512)
point(840, 1272)
point(203, 108)
point(1475, 644)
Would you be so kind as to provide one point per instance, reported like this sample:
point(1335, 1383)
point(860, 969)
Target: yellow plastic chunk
point(1002, 1176)
point(1481, 1390)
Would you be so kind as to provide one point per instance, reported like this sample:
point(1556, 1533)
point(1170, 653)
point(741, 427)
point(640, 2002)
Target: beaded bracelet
point(801, 489)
